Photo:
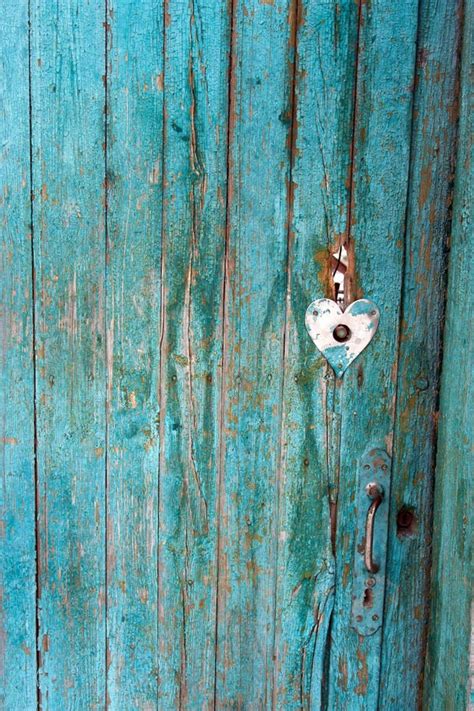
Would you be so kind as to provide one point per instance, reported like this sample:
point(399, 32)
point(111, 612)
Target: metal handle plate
point(370, 545)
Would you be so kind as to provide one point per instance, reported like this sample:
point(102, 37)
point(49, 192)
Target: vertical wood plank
point(381, 160)
point(68, 178)
point(447, 668)
point(256, 276)
point(134, 173)
point(430, 198)
point(321, 152)
point(196, 57)
point(17, 495)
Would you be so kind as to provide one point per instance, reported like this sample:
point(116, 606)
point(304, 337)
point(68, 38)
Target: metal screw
point(374, 490)
point(341, 333)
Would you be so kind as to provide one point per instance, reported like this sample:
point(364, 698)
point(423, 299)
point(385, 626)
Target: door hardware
point(341, 335)
point(374, 492)
point(372, 499)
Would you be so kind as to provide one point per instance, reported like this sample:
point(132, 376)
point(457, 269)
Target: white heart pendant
point(341, 335)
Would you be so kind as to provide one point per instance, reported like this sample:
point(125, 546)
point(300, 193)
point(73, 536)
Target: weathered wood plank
point(319, 200)
point(17, 495)
point(383, 114)
point(256, 276)
point(447, 668)
point(196, 57)
point(69, 244)
point(134, 172)
point(145, 278)
point(430, 198)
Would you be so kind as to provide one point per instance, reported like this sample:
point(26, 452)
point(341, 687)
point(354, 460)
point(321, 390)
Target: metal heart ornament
point(341, 335)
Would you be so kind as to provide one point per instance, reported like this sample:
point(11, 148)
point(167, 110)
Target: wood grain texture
point(195, 166)
point(17, 493)
point(134, 83)
point(426, 234)
point(383, 114)
point(69, 245)
point(447, 668)
point(323, 54)
point(255, 288)
point(196, 59)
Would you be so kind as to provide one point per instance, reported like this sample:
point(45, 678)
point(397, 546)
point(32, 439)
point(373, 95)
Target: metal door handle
point(371, 504)
point(374, 492)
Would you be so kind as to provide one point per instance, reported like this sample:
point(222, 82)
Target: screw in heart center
point(341, 333)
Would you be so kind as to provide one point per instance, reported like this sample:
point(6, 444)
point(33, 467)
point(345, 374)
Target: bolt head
point(373, 490)
point(341, 333)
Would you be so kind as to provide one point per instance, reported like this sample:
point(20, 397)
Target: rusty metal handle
point(374, 492)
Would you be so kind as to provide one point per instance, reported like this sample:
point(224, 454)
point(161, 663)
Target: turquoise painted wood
point(447, 670)
point(255, 290)
point(318, 212)
point(67, 139)
point(179, 494)
point(382, 131)
point(194, 168)
point(134, 109)
point(426, 241)
point(17, 422)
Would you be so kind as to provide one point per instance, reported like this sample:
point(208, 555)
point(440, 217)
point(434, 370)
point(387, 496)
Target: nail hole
point(406, 522)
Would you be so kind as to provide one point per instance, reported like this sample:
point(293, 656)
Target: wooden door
point(180, 179)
